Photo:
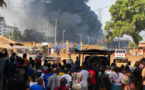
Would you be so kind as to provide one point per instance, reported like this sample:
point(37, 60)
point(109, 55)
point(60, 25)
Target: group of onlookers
point(18, 73)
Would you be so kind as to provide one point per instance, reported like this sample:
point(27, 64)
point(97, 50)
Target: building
point(4, 28)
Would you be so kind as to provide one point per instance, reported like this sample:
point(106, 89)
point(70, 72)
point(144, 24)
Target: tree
point(29, 34)
point(132, 45)
point(127, 18)
point(15, 35)
point(2, 3)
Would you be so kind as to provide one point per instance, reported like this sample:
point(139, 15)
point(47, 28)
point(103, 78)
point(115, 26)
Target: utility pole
point(80, 36)
point(56, 22)
point(88, 40)
point(63, 36)
point(119, 42)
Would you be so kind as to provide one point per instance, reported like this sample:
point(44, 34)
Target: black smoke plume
point(86, 24)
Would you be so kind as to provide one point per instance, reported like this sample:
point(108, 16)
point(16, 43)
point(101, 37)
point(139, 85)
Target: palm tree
point(2, 3)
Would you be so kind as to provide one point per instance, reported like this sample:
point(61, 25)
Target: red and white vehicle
point(120, 55)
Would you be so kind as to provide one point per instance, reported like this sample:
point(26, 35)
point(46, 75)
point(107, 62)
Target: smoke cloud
point(41, 15)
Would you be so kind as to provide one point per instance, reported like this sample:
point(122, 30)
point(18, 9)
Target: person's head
point(102, 70)
point(12, 59)
point(30, 59)
point(114, 61)
point(76, 69)
point(122, 67)
point(59, 65)
point(108, 68)
point(24, 55)
point(19, 59)
point(17, 72)
point(39, 72)
point(63, 81)
point(127, 68)
point(65, 70)
point(34, 75)
point(48, 65)
point(137, 63)
point(22, 61)
point(64, 62)
point(77, 58)
point(144, 63)
point(116, 69)
point(40, 81)
point(54, 70)
point(49, 70)
point(112, 69)
point(83, 66)
point(128, 63)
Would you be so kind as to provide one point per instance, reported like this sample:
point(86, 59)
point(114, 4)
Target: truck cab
point(120, 55)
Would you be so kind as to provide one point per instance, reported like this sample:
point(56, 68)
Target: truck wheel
point(94, 60)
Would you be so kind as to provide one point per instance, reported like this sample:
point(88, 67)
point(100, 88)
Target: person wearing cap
point(128, 85)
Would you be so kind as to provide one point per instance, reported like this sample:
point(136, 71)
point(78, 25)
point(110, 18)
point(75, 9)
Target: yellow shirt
point(61, 73)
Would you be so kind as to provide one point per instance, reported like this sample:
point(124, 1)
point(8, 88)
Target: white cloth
point(116, 78)
point(42, 75)
point(68, 78)
point(85, 76)
point(77, 77)
point(32, 83)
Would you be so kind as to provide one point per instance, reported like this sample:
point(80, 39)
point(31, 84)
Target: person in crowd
point(92, 75)
point(38, 85)
point(46, 77)
point(53, 81)
point(61, 72)
point(10, 68)
point(77, 62)
point(18, 63)
point(128, 84)
point(62, 85)
point(141, 63)
point(40, 73)
point(143, 76)
point(122, 69)
point(113, 64)
point(26, 60)
point(108, 71)
point(85, 77)
point(115, 79)
point(103, 81)
point(127, 71)
point(24, 70)
point(34, 79)
point(130, 67)
point(3, 59)
point(30, 71)
point(16, 82)
point(67, 77)
point(64, 64)
point(32, 62)
point(57, 51)
point(137, 73)
point(76, 79)
point(48, 66)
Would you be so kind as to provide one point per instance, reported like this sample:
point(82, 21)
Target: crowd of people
point(19, 73)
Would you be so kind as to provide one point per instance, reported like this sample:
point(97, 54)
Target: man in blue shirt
point(38, 85)
point(46, 77)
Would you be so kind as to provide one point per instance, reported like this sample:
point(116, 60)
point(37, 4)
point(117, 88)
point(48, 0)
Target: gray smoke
point(37, 13)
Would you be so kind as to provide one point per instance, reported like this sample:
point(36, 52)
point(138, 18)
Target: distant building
point(115, 44)
point(4, 28)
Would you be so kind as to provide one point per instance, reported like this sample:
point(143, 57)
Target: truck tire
point(94, 60)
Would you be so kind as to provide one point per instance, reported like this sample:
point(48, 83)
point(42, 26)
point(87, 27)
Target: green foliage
point(2, 3)
point(15, 35)
point(127, 17)
point(132, 45)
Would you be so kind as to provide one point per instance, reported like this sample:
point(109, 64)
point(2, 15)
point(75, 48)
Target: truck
point(120, 55)
point(95, 56)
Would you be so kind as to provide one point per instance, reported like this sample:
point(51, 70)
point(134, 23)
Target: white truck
point(120, 55)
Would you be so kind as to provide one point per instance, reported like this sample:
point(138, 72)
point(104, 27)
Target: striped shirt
point(53, 81)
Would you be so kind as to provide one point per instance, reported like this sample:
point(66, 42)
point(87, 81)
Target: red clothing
point(46, 71)
point(92, 76)
point(61, 88)
point(130, 86)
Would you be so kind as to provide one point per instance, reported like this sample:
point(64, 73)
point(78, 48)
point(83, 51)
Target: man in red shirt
point(63, 85)
point(92, 75)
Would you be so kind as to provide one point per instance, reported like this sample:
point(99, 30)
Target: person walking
point(85, 77)
point(92, 76)
point(38, 85)
point(63, 85)
point(53, 81)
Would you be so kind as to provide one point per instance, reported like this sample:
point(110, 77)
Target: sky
point(94, 4)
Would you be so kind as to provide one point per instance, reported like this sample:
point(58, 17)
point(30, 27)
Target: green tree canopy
point(127, 17)
point(2, 3)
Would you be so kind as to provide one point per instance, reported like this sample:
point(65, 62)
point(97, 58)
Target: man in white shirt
point(67, 77)
point(85, 76)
